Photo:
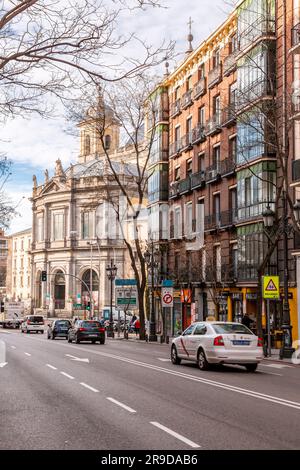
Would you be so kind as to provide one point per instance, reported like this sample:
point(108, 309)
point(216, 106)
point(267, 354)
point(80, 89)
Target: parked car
point(33, 323)
point(59, 329)
point(87, 330)
point(209, 343)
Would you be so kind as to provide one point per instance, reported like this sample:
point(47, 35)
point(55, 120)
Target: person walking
point(247, 321)
point(137, 326)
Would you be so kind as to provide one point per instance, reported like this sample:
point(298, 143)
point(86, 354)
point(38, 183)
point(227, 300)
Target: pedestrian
point(247, 321)
point(137, 326)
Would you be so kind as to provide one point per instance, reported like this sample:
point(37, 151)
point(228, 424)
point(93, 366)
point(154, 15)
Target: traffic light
point(2, 306)
point(88, 305)
point(44, 275)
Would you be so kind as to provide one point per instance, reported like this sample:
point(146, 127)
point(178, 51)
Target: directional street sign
point(271, 287)
point(167, 296)
point(126, 293)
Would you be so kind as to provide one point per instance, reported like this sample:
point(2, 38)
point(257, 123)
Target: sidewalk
point(275, 357)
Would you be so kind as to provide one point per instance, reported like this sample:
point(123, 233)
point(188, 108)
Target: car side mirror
point(179, 333)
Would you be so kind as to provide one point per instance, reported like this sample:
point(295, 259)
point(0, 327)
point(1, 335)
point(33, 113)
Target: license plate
point(93, 335)
point(240, 342)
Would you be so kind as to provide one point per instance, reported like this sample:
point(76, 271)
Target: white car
point(33, 323)
point(218, 343)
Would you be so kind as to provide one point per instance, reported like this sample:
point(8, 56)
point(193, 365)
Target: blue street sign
point(167, 283)
point(125, 282)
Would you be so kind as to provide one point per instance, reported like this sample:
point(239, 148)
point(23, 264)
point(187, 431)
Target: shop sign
point(237, 296)
point(250, 296)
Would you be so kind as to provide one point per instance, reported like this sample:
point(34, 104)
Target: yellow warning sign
point(271, 287)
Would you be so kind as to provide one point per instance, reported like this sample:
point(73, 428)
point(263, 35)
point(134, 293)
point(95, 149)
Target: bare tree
point(7, 209)
point(55, 46)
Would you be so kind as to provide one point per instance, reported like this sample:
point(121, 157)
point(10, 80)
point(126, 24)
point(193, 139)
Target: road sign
point(125, 282)
point(167, 297)
point(126, 296)
point(167, 283)
point(271, 287)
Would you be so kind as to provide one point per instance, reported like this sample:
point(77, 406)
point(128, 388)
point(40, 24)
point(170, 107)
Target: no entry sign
point(167, 296)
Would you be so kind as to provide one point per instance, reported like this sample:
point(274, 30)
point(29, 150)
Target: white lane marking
point(74, 358)
point(269, 373)
point(163, 359)
point(121, 405)
point(3, 364)
point(51, 367)
point(13, 347)
point(232, 388)
point(27, 354)
point(66, 375)
point(276, 366)
point(175, 434)
point(89, 387)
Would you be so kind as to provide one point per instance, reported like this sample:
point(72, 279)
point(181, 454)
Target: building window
point(15, 281)
point(189, 167)
point(217, 263)
point(87, 225)
point(217, 108)
point(22, 244)
point(177, 173)
point(22, 263)
point(201, 162)
point(188, 219)
point(177, 134)
point(201, 116)
point(232, 149)
point(176, 93)
point(189, 126)
point(216, 58)
point(217, 157)
point(107, 142)
point(58, 229)
point(177, 223)
point(217, 210)
point(15, 245)
point(87, 145)
point(21, 281)
point(15, 263)
point(233, 44)
point(201, 72)
point(28, 281)
point(189, 85)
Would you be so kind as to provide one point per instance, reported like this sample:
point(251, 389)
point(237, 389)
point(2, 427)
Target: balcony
point(229, 116)
point(175, 148)
point(223, 220)
point(175, 108)
point(186, 141)
point(213, 173)
point(214, 76)
point(254, 211)
point(174, 190)
point(184, 186)
point(229, 64)
point(261, 88)
point(296, 39)
point(261, 29)
point(296, 172)
point(227, 167)
point(198, 134)
point(213, 125)
point(158, 116)
point(198, 180)
point(187, 99)
point(199, 89)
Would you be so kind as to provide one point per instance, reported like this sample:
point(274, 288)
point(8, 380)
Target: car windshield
point(90, 324)
point(36, 319)
point(62, 323)
point(231, 328)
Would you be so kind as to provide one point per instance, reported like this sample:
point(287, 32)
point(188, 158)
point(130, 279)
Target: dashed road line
point(89, 387)
point(27, 354)
point(116, 402)
point(67, 375)
point(163, 359)
point(13, 347)
point(51, 367)
point(175, 434)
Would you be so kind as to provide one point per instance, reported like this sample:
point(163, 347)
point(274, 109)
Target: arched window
point(87, 282)
point(59, 290)
point(107, 142)
point(87, 145)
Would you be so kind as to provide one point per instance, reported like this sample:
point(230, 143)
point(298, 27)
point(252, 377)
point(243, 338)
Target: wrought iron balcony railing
point(213, 125)
point(187, 99)
point(199, 134)
point(214, 76)
point(199, 88)
point(197, 179)
point(229, 64)
point(175, 108)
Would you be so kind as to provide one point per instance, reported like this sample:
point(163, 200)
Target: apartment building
point(19, 267)
point(3, 262)
point(233, 133)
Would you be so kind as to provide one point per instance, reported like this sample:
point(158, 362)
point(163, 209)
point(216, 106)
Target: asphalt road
point(128, 395)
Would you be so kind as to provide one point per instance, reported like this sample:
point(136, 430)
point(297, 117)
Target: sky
point(34, 144)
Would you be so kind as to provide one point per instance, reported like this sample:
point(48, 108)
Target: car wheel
point(93, 341)
point(27, 332)
point(202, 361)
point(77, 341)
point(174, 357)
point(251, 367)
point(102, 341)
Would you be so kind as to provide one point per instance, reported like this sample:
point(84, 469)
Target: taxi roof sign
point(271, 287)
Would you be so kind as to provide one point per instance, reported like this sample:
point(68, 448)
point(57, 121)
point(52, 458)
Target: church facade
point(76, 233)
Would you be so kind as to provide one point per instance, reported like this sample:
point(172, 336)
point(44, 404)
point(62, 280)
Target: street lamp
point(111, 272)
point(284, 228)
point(152, 260)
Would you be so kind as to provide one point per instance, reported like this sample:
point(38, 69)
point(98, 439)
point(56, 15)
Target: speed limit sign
point(167, 297)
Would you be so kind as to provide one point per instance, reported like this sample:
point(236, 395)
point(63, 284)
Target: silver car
point(209, 343)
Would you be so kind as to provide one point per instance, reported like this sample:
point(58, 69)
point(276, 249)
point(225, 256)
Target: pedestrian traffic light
point(44, 275)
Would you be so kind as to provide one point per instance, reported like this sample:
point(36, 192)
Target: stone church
point(75, 231)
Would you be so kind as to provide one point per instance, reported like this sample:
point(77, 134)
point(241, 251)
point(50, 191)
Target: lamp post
point(91, 244)
point(284, 229)
point(111, 272)
point(151, 259)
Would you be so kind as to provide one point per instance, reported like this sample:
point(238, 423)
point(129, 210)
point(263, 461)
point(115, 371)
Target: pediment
point(53, 187)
